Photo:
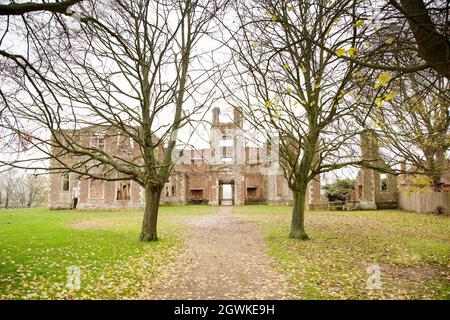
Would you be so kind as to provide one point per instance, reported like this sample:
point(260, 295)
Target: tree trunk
point(433, 46)
point(298, 215)
point(436, 183)
point(7, 200)
point(149, 224)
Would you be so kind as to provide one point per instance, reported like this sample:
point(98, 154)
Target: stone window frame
point(224, 147)
point(120, 149)
point(103, 190)
point(385, 175)
point(129, 190)
point(196, 156)
point(97, 136)
point(254, 190)
point(65, 178)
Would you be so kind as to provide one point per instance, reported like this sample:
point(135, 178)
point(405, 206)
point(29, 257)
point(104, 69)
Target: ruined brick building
point(229, 171)
point(373, 189)
point(408, 191)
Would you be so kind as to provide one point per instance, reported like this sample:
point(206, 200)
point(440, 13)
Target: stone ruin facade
point(373, 189)
point(250, 175)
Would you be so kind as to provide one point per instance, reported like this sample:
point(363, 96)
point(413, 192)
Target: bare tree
point(22, 190)
point(429, 23)
point(17, 19)
point(14, 9)
point(290, 86)
point(406, 111)
point(123, 74)
point(411, 120)
point(30, 190)
point(404, 28)
point(7, 183)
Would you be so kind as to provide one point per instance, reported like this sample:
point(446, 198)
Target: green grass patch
point(37, 246)
point(412, 251)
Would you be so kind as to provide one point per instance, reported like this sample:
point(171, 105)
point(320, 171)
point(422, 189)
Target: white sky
point(198, 136)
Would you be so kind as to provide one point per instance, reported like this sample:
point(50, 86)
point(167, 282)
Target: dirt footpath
point(225, 258)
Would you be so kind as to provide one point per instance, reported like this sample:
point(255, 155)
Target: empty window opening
point(196, 157)
point(98, 142)
point(251, 192)
point(269, 148)
point(65, 182)
point(125, 145)
point(123, 191)
point(383, 182)
point(252, 155)
point(226, 142)
point(227, 154)
point(196, 194)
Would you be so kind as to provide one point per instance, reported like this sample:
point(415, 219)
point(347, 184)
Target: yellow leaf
point(379, 102)
point(289, 90)
point(352, 52)
point(383, 79)
point(317, 86)
point(390, 96)
point(266, 12)
point(303, 70)
point(254, 45)
point(356, 74)
point(359, 23)
point(340, 52)
point(286, 66)
point(290, 8)
point(295, 102)
point(268, 104)
point(390, 40)
point(274, 18)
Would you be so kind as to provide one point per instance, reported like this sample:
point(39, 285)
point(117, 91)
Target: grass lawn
point(412, 251)
point(37, 246)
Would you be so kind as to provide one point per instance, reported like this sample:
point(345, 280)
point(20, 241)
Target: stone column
point(367, 200)
point(239, 193)
point(314, 193)
point(182, 191)
point(213, 196)
point(271, 186)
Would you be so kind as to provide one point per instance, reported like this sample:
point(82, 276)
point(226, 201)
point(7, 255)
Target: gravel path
point(225, 258)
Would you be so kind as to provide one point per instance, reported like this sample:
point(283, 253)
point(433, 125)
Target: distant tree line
point(21, 190)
